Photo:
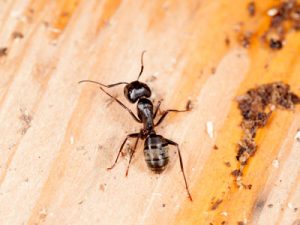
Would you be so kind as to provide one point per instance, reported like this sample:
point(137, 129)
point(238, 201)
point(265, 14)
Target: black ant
point(155, 146)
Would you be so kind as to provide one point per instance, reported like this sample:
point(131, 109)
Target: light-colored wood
point(58, 138)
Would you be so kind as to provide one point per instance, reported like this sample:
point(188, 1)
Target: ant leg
point(131, 155)
point(121, 104)
point(165, 113)
point(156, 110)
point(107, 86)
point(134, 135)
point(181, 166)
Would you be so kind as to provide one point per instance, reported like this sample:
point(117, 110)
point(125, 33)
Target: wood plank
point(58, 137)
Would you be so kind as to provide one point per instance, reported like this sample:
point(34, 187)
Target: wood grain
point(58, 137)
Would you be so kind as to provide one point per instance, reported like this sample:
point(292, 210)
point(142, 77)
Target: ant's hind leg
point(134, 135)
point(131, 155)
point(123, 106)
point(181, 166)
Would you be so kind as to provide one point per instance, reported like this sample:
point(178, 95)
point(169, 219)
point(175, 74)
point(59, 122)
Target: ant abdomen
point(156, 153)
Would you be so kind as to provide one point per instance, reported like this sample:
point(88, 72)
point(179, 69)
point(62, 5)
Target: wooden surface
point(58, 138)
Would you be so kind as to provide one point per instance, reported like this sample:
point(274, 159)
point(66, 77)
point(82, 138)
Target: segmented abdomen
point(156, 156)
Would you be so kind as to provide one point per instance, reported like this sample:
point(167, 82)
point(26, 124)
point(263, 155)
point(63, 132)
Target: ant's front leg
point(165, 113)
point(121, 104)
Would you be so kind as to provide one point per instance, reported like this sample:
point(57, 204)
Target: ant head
point(136, 90)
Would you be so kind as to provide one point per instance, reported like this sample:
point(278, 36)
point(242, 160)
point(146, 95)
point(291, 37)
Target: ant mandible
point(155, 146)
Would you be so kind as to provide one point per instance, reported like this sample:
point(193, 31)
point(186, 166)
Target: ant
point(155, 146)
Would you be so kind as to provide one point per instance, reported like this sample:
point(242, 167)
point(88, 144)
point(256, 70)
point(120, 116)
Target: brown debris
point(102, 187)
point(216, 147)
point(213, 70)
point(284, 17)
point(216, 204)
point(241, 223)
point(189, 105)
point(236, 173)
point(228, 164)
point(246, 39)
point(227, 41)
point(251, 8)
point(256, 107)
point(3, 52)
point(127, 151)
point(275, 44)
point(17, 34)
point(26, 119)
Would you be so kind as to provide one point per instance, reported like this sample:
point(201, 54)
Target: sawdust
point(256, 106)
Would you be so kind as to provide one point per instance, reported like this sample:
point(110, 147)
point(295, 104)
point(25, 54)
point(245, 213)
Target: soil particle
point(227, 41)
point(17, 34)
point(275, 44)
point(251, 8)
point(228, 164)
point(3, 52)
point(284, 17)
point(216, 204)
point(216, 147)
point(26, 119)
point(246, 39)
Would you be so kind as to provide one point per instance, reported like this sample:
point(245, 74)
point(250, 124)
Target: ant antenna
point(95, 82)
point(142, 65)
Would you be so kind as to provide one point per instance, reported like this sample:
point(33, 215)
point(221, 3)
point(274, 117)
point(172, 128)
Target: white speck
point(224, 213)
point(210, 129)
point(71, 140)
point(275, 163)
point(55, 30)
point(156, 74)
point(290, 206)
point(245, 221)
point(26, 113)
point(272, 107)
point(297, 136)
point(272, 12)
point(16, 14)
